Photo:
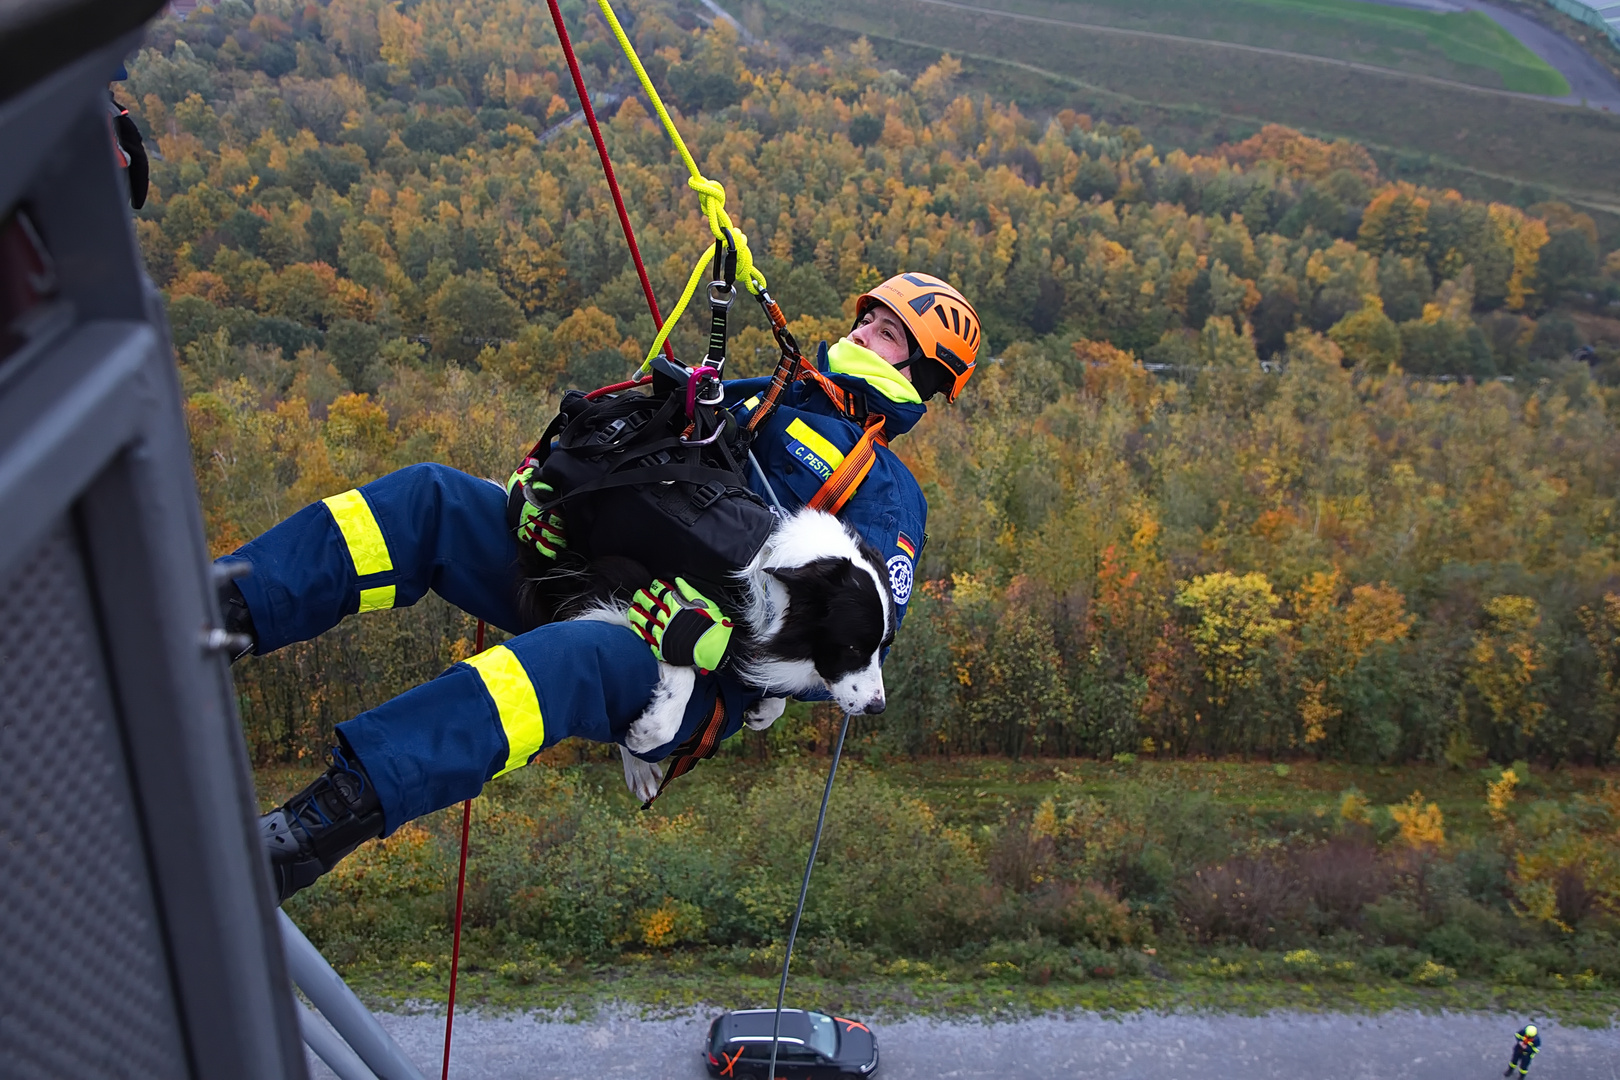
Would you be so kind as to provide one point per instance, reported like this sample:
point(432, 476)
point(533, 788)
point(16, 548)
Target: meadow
point(1463, 46)
point(987, 886)
point(1191, 92)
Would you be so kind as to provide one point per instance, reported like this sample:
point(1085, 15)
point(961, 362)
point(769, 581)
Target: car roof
point(752, 1024)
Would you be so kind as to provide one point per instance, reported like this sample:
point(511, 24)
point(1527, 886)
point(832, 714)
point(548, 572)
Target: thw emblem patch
point(900, 577)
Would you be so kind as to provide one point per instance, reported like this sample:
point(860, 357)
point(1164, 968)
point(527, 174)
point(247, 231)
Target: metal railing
point(355, 1046)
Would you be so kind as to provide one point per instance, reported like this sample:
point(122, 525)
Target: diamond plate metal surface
point(84, 988)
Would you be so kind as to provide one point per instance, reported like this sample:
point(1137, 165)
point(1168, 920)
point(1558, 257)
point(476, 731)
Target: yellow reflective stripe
point(377, 599)
point(509, 685)
point(819, 446)
point(360, 531)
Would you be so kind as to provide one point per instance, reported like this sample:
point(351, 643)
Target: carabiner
point(722, 294)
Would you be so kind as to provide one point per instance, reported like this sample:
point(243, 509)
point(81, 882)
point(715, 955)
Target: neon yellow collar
point(847, 358)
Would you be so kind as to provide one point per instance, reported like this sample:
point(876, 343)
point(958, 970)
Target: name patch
point(812, 449)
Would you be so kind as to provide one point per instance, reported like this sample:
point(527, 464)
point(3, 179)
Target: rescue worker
point(128, 146)
point(1526, 1045)
point(430, 527)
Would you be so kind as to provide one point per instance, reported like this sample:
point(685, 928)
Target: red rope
point(607, 169)
point(461, 892)
point(658, 323)
point(604, 391)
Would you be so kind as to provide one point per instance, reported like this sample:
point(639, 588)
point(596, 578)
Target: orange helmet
point(943, 325)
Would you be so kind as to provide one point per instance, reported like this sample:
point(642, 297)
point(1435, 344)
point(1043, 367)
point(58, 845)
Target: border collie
point(817, 616)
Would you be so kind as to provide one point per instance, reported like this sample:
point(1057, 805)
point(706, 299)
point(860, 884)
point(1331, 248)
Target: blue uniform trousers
point(432, 527)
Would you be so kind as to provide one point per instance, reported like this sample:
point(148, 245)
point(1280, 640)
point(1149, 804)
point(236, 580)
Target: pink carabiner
point(692, 385)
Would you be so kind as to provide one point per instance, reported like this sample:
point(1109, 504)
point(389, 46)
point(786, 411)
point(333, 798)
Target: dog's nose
point(876, 705)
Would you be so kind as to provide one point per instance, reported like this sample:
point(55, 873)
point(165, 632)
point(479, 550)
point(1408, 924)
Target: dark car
point(814, 1046)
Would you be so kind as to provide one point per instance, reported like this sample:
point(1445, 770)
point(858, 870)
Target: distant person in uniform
point(1526, 1045)
point(128, 145)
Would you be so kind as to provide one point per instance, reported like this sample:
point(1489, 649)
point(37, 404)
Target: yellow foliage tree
point(1397, 220)
point(1499, 794)
point(1422, 824)
point(1503, 663)
point(1234, 624)
point(1525, 237)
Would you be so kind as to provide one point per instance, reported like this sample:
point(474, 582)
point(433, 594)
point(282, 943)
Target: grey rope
point(804, 890)
point(765, 480)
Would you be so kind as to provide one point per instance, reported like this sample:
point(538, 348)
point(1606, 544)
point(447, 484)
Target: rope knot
point(711, 193)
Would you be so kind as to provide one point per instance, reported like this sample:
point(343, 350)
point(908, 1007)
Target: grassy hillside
point(1438, 132)
point(1465, 46)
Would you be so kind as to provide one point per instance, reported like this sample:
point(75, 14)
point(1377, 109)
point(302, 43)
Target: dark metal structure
point(137, 930)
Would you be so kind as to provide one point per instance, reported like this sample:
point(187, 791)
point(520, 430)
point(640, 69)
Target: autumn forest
point(1272, 456)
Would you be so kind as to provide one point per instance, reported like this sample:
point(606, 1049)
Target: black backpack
point(636, 478)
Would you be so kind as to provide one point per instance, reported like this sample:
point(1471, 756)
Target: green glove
point(684, 627)
point(543, 529)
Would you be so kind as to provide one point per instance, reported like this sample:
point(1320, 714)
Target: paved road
point(1140, 1047)
point(1589, 81)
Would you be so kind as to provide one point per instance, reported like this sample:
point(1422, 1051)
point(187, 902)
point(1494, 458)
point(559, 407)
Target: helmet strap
point(929, 376)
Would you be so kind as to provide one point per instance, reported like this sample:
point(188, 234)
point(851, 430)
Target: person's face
point(881, 331)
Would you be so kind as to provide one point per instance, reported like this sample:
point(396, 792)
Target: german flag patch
point(906, 545)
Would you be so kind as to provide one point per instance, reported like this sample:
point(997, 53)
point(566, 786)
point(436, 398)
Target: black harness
point(655, 470)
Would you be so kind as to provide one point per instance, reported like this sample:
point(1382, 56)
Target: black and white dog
point(817, 617)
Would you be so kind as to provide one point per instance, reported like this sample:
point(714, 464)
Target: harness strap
point(842, 399)
point(838, 488)
point(793, 368)
point(787, 371)
point(714, 481)
point(721, 294)
point(702, 744)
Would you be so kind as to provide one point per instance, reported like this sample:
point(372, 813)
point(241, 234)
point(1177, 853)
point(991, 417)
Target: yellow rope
point(711, 195)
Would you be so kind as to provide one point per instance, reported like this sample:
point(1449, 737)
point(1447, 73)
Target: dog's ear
point(816, 572)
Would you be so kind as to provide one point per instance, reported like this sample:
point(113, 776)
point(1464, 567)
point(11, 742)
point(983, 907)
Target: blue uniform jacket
point(801, 443)
point(431, 527)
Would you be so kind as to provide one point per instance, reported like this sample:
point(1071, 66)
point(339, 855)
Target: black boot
point(312, 831)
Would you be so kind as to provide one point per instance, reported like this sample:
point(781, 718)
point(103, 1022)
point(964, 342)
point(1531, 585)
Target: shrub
point(1018, 856)
point(1341, 878)
point(1453, 944)
point(1252, 901)
point(1304, 961)
point(1086, 914)
point(834, 958)
point(1516, 969)
point(1396, 921)
point(888, 874)
point(1599, 951)
point(1395, 961)
point(1430, 973)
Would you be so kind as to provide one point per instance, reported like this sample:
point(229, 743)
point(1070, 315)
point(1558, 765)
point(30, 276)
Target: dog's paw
point(660, 722)
point(641, 777)
point(764, 713)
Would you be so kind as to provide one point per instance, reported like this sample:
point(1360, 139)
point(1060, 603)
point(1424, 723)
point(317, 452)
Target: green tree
point(1368, 337)
point(469, 312)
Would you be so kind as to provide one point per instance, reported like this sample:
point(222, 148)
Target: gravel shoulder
point(1414, 1046)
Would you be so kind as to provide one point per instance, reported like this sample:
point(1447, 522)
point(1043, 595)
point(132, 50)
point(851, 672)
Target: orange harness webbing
point(838, 487)
point(702, 744)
